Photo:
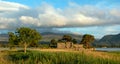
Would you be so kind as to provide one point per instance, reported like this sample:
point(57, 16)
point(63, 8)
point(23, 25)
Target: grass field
point(59, 56)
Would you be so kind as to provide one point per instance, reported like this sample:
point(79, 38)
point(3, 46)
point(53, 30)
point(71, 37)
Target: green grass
point(35, 57)
point(115, 52)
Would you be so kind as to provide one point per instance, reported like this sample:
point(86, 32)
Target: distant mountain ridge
point(107, 40)
point(46, 36)
point(4, 37)
point(110, 40)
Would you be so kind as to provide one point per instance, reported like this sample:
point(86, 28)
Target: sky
point(96, 17)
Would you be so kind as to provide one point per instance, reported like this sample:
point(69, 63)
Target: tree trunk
point(86, 45)
point(25, 47)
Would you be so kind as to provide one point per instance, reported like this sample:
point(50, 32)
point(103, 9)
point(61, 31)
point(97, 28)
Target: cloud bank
point(13, 15)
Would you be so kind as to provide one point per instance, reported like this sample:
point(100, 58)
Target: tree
point(53, 43)
point(12, 39)
point(26, 36)
point(67, 38)
point(87, 39)
point(74, 41)
point(34, 44)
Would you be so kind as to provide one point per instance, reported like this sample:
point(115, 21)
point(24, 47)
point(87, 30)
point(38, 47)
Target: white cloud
point(6, 23)
point(81, 19)
point(30, 21)
point(52, 19)
point(11, 6)
point(47, 16)
point(115, 12)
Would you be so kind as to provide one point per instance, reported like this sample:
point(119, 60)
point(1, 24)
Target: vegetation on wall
point(87, 40)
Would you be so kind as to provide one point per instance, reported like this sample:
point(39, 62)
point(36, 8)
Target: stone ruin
point(69, 45)
point(64, 45)
point(78, 47)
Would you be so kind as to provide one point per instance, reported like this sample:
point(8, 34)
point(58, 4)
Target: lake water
point(1, 49)
point(98, 49)
point(4, 49)
point(107, 49)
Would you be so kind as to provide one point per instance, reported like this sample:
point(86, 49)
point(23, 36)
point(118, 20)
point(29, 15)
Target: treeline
point(27, 37)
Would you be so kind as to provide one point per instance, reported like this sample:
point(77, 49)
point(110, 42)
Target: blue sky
point(64, 3)
point(96, 17)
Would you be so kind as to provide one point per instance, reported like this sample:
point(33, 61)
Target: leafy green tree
point(12, 39)
point(67, 38)
point(53, 43)
point(87, 39)
point(34, 44)
point(74, 41)
point(25, 36)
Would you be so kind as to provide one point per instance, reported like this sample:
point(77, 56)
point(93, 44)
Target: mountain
point(46, 36)
point(110, 40)
point(3, 37)
point(107, 40)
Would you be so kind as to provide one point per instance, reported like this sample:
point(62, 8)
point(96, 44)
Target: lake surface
point(98, 49)
point(107, 49)
point(1, 49)
point(4, 49)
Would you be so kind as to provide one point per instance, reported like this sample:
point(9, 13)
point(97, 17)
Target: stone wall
point(78, 47)
point(63, 45)
point(69, 45)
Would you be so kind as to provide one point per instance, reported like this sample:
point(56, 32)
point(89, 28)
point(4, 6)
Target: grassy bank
point(42, 57)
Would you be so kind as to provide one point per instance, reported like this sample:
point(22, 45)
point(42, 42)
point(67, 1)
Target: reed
point(42, 57)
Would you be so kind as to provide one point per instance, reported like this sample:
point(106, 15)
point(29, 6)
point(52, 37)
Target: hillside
point(3, 37)
point(46, 36)
point(107, 40)
point(110, 40)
